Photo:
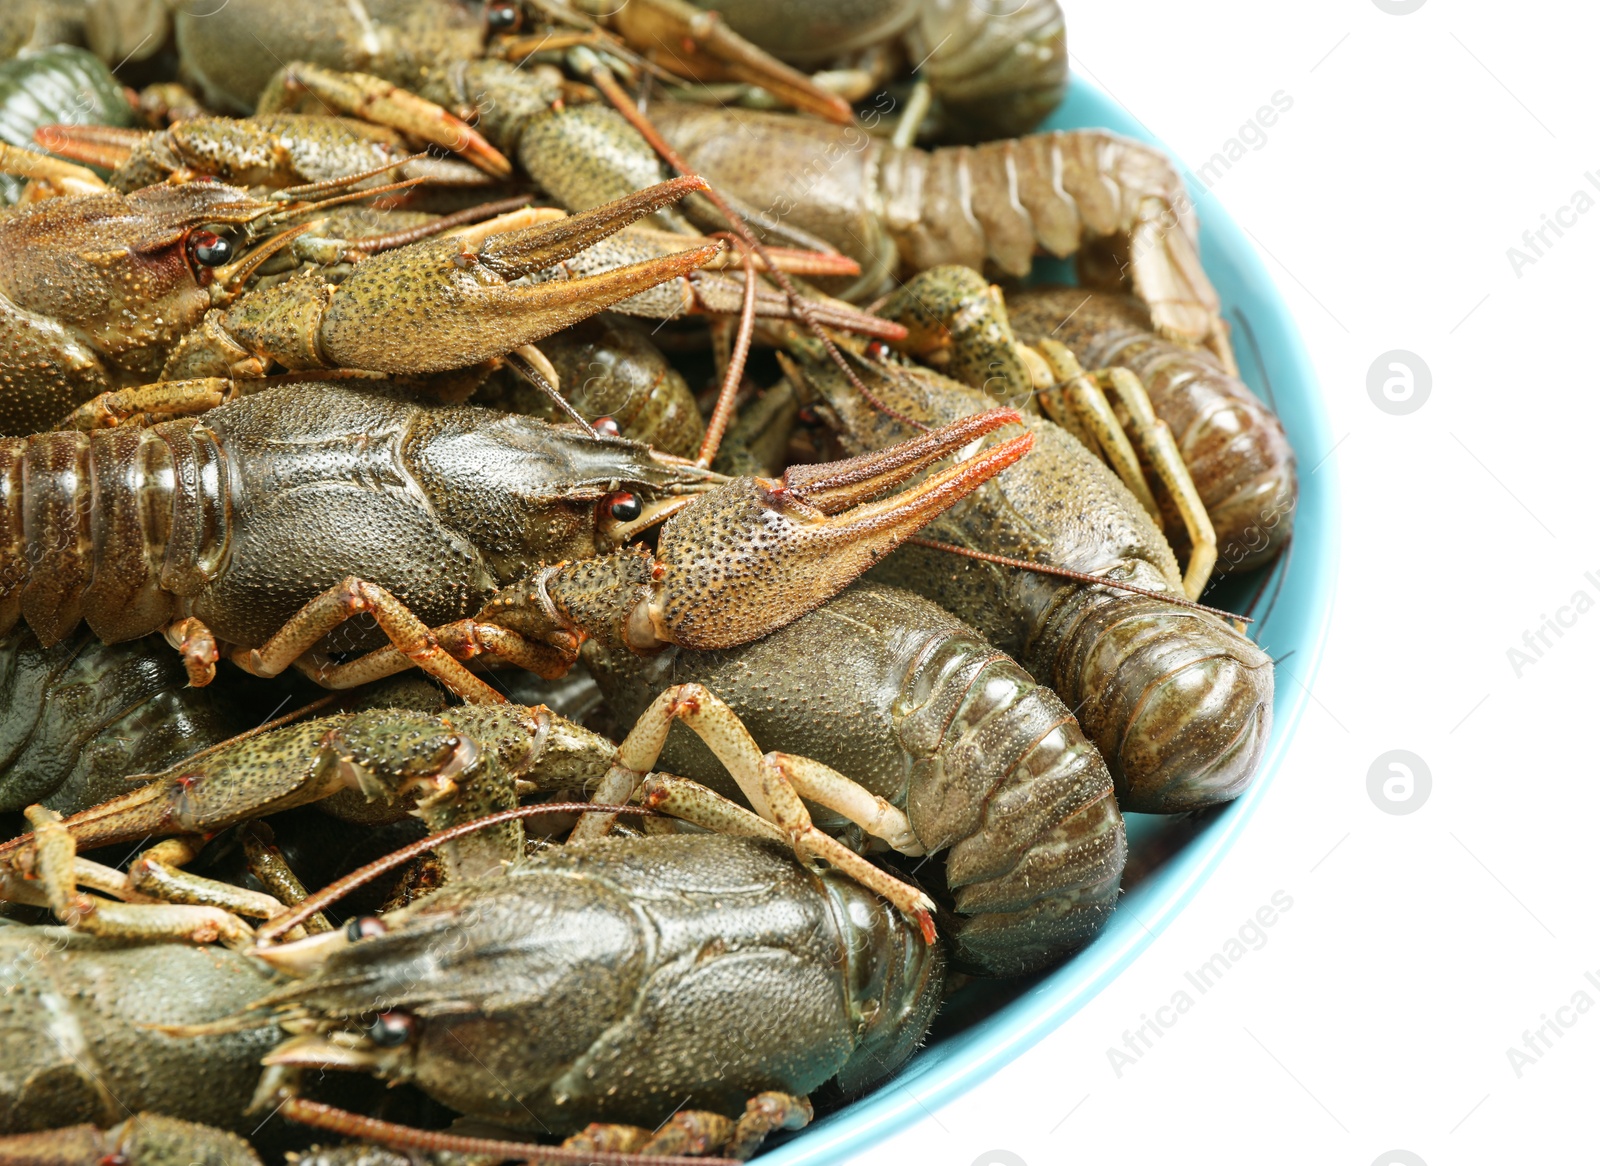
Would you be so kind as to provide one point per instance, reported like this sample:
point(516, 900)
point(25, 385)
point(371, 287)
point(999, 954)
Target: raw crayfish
point(593, 982)
point(1000, 202)
point(68, 330)
point(271, 521)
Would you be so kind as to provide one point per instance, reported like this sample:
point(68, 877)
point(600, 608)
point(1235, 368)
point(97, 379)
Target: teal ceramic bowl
point(989, 1024)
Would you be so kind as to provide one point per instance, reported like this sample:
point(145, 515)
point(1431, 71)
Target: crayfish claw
point(458, 296)
point(754, 553)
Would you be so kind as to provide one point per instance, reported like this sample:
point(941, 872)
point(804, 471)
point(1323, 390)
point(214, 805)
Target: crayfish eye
point(624, 507)
point(364, 927)
point(392, 1029)
point(210, 249)
point(503, 18)
point(607, 427)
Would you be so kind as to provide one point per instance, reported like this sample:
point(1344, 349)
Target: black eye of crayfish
point(625, 507)
point(210, 249)
point(391, 1029)
point(503, 18)
point(364, 927)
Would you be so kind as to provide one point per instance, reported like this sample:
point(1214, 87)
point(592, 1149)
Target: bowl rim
point(1299, 622)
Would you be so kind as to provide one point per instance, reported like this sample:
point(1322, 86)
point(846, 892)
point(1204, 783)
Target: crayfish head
point(501, 979)
point(361, 993)
point(135, 271)
point(390, 754)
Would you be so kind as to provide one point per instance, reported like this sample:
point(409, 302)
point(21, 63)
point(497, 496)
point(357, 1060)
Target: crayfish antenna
point(803, 309)
point(354, 1125)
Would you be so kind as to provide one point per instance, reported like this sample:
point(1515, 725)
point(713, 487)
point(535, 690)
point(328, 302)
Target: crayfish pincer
point(618, 981)
point(263, 526)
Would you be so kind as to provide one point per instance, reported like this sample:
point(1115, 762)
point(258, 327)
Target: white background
point(1419, 948)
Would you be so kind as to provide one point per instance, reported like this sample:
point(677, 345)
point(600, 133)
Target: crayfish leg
point(1160, 451)
point(769, 782)
point(763, 1114)
point(181, 398)
point(1075, 400)
point(142, 1138)
point(691, 40)
point(198, 647)
point(158, 873)
point(376, 100)
point(1079, 403)
point(693, 1132)
point(55, 866)
point(415, 644)
point(691, 802)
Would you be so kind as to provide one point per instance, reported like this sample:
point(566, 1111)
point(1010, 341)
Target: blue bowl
point(1168, 859)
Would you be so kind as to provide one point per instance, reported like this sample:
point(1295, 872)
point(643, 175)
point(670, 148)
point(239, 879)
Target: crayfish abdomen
point(910, 702)
point(77, 719)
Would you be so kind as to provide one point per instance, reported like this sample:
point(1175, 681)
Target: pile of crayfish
point(558, 590)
